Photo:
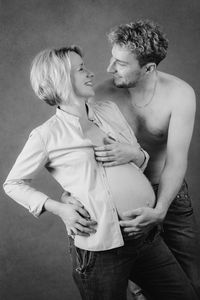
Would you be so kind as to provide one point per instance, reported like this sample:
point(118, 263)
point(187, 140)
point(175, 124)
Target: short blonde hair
point(50, 74)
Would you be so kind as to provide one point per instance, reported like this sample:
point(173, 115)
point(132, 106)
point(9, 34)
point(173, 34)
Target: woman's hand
point(76, 224)
point(114, 153)
point(74, 216)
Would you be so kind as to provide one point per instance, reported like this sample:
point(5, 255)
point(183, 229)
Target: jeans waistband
point(184, 187)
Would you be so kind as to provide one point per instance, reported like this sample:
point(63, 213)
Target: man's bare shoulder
point(180, 93)
point(174, 84)
point(108, 91)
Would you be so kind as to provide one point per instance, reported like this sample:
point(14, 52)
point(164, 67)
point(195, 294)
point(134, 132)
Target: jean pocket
point(153, 234)
point(182, 202)
point(85, 261)
point(70, 245)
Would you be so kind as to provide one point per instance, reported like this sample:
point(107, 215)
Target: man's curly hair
point(144, 38)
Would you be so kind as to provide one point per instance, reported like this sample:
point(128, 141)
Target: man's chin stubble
point(124, 85)
point(119, 85)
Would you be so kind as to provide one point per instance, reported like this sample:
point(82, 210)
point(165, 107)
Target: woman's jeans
point(104, 275)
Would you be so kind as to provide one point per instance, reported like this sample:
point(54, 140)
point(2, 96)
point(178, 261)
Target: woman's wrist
point(53, 206)
point(143, 160)
point(139, 157)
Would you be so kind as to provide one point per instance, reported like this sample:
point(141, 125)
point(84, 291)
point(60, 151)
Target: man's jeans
point(104, 275)
point(179, 235)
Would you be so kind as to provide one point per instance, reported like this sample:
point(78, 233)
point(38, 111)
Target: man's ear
point(150, 67)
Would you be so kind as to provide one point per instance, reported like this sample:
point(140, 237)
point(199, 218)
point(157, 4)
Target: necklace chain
point(151, 98)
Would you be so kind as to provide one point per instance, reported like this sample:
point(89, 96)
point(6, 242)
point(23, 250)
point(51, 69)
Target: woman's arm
point(32, 158)
point(71, 215)
point(17, 185)
point(116, 153)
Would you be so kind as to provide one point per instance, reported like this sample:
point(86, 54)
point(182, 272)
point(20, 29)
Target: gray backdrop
point(34, 263)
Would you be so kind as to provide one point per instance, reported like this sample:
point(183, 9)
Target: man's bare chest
point(150, 125)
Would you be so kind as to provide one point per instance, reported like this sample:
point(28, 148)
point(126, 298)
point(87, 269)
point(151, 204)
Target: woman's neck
point(76, 108)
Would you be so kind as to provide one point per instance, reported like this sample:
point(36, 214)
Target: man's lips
point(116, 77)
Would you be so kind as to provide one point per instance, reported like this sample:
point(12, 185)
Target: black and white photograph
point(100, 144)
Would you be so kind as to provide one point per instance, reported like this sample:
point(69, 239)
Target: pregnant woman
point(64, 145)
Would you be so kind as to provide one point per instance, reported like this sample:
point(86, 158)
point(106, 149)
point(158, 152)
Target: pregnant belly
point(130, 188)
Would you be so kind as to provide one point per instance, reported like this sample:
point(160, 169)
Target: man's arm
point(179, 137)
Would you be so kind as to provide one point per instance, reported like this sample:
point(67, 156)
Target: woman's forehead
point(75, 59)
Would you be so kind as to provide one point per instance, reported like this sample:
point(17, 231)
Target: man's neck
point(143, 93)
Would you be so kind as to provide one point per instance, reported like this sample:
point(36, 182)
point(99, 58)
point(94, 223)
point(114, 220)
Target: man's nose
point(111, 67)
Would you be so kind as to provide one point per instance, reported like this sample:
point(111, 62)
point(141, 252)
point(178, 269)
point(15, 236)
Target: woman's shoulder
point(105, 107)
point(108, 111)
point(107, 114)
point(45, 129)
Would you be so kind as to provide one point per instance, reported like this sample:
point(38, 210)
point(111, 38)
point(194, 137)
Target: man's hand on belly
point(139, 221)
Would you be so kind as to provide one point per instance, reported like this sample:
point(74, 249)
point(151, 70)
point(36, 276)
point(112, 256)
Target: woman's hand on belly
point(75, 216)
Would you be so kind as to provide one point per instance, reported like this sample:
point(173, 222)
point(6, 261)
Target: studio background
point(34, 260)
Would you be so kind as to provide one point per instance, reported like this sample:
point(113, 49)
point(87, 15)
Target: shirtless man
point(160, 109)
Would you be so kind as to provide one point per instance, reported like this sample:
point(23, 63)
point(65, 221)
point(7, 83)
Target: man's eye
point(121, 64)
point(81, 69)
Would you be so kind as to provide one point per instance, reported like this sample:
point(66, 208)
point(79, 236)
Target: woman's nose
point(90, 74)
